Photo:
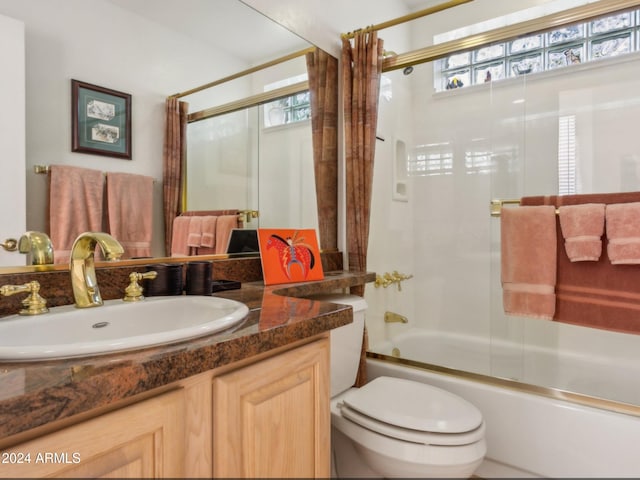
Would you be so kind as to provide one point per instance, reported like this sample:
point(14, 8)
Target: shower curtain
point(362, 68)
point(173, 164)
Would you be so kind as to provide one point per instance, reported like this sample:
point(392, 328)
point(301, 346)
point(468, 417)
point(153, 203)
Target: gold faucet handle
point(34, 304)
point(133, 292)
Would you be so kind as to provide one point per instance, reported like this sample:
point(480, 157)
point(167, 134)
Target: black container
point(221, 285)
point(168, 282)
point(198, 278)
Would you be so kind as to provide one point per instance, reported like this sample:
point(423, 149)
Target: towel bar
point(496, 206)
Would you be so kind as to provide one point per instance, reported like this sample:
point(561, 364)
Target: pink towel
point(224, 225)
point(194, 238)
point(130, 210)
point(582, 228)
point(75, 206)
point(179, 247)
point(529, 251)
point(623, 232)
point(209, 223)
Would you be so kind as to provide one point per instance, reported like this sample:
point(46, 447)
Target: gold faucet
point(34, 304)
point(392, 317)
point(38, 247)
point(82, 266)
point(390, 278)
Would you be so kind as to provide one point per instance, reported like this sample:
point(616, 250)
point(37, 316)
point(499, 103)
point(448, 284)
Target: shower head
point(407, 70)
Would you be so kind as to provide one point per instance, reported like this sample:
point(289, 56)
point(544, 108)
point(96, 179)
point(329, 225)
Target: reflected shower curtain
point(323, 86)
point(174, 153)
point(362, 68)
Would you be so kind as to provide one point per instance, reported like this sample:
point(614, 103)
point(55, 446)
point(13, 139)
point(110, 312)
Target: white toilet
point(392, 427)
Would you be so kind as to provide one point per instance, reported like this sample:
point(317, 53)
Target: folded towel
point(75, 206)
point(623, 232)
point(528, 269)
point(194, 238)
point(209, 223)
point(224, 225)
point(179, 247)
point(130, 212)
point(582, 228)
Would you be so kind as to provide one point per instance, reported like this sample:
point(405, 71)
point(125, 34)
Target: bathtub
point(601, 374)
point(531, 431)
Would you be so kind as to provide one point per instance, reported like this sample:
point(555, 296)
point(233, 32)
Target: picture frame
point(100, 120)
point(289, 255)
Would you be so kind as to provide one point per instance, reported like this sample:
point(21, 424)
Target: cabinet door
point(144, 440)
point(272, 418)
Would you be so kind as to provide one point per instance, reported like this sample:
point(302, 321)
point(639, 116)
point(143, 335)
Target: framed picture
point(289, 255)
point(100, 120)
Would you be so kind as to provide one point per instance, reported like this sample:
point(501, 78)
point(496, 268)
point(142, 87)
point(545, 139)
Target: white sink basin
point(115, 326)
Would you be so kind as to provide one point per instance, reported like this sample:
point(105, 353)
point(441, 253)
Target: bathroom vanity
point(252, 401)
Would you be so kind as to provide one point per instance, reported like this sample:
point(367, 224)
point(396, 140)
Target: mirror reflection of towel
point(209, 224)
point(179, 246)
point(130, 212)
point(225, 224)
point(194, 239)
point(75, 206)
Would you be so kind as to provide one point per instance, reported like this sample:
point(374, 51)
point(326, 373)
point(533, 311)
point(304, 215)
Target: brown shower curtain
point(361, 71)
point(174, 153)
point(323, 86)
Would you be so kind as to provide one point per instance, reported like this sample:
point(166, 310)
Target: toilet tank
point(346, 342)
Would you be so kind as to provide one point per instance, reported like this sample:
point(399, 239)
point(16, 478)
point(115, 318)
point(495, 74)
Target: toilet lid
point(414, 406)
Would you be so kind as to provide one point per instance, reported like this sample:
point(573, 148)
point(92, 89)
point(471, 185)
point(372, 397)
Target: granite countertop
point(33, 394)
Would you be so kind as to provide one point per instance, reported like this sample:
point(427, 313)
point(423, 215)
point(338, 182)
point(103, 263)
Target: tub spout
point(82, 267)
point(391, 317)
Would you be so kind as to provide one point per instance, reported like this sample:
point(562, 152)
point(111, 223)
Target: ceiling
point(229, 25)
point(247, 34)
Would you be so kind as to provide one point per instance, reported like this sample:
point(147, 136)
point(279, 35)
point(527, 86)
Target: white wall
point(97, 42)
point(12, 138)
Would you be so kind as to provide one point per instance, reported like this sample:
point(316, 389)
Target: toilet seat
point(413, 412)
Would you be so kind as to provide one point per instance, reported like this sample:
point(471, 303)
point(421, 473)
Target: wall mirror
point(158, 50)
point(256, 157)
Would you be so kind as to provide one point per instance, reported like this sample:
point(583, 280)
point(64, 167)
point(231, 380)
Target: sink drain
point(100, 324)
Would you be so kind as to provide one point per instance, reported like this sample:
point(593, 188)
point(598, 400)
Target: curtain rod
point(408, 17)
point(510, 32)
point(248, 71)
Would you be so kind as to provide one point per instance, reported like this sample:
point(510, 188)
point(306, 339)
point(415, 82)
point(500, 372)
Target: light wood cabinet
point(142, 440)
point(269, 418)
point(272, 418)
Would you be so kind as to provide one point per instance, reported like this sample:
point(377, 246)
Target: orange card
point(289, 255)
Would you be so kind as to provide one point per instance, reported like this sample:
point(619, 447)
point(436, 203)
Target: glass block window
point(292, 109)
point(612, 23)
point(563, 35)
point(287, 110)
point(457, 60)
point(600, 38)
point(525, 44)
point(612, 46)
point(489, 53)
